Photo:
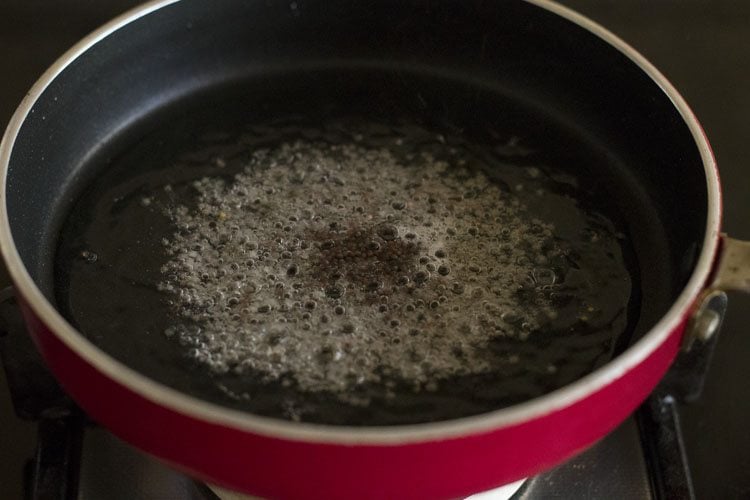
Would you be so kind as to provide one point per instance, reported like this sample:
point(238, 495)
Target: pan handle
point(733, 270)
point(732, 273)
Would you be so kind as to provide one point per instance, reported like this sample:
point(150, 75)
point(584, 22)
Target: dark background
point(702, 46)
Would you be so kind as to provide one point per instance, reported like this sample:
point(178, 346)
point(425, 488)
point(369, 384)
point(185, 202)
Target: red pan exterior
point(280, 468)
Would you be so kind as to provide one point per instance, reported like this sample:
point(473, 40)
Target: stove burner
point(505, 492)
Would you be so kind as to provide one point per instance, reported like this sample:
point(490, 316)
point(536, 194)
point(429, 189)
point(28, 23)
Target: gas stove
point(682, 443)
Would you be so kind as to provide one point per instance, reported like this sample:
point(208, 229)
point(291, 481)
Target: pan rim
point(187, 405)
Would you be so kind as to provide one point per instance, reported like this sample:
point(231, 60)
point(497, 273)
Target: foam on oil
point(334, 264)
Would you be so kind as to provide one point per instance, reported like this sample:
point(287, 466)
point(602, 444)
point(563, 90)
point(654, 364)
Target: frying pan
point(533, 52)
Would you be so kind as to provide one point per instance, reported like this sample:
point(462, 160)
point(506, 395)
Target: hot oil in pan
point(349, 273)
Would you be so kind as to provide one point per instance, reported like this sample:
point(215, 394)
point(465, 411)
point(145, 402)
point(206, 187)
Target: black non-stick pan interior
point(147, 91)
